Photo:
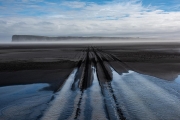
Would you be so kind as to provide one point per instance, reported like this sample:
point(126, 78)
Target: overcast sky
point(130, 18)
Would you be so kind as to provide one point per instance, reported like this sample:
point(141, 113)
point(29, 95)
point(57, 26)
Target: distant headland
point(34, 38)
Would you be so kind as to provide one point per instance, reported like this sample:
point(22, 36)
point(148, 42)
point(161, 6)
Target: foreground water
point(23, 102)
point(136, 96)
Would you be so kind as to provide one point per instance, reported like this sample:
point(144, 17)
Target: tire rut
point(83, 79)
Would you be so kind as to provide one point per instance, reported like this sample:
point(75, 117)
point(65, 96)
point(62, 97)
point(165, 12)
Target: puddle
point(138, 96)
point(23, 101)
point(145, 97)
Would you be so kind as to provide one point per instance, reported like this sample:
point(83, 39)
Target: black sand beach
point(157, 60)
point(52, 64)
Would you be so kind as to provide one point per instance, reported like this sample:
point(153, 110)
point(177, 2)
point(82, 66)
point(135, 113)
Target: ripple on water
point(25, 102)
point(146, 97)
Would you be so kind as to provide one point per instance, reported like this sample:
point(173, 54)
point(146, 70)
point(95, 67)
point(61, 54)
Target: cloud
point(117, 18)
point(73, 4)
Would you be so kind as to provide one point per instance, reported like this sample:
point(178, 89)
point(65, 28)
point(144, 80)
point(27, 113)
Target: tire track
point(61, 101)
point(75, 93)
point(85, 82)
point(114, 111)
point(104, 74)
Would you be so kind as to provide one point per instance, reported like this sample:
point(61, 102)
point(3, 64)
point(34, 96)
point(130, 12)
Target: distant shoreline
point(29, 38)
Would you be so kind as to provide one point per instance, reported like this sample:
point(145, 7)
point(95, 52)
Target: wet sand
point(159, 59)
point(80, 74)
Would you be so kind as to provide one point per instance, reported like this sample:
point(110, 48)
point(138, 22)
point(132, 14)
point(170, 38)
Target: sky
point(114, 18)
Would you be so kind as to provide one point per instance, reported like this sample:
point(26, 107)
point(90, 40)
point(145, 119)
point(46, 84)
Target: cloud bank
point(128, 18)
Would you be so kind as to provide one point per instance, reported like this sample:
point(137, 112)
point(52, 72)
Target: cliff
point(32, 38)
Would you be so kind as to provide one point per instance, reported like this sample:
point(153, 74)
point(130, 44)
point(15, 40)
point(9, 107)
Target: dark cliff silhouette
point(29, 38)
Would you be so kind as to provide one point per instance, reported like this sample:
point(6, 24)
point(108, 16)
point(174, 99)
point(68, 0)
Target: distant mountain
point(33, 38)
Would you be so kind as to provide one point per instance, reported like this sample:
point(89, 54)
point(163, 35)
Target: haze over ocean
point(107, 18)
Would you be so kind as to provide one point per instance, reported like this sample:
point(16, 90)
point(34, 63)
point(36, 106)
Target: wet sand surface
point(113, 82)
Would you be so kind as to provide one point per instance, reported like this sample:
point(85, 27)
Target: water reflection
point(23, 101)
point(146, 97)
point(178, 79)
